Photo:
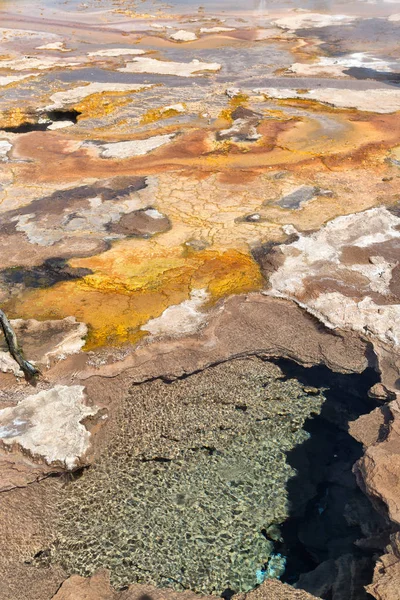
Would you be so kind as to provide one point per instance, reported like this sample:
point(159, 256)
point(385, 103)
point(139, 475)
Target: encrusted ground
point(182, 186)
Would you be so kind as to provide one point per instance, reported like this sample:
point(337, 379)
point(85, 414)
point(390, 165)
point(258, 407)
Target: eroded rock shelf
point(200, 234)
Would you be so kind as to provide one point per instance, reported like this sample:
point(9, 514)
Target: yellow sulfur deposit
point(156, 114)
point(101, 104)
point(15, 117)
point(127, 289)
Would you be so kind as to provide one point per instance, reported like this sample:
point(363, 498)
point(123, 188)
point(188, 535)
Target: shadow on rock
point(329, 513)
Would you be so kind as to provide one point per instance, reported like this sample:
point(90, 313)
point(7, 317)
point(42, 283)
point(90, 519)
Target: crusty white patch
point(70, 340)
point(41, 63)
point(5, 148)
point(9, 365)
point(240, 126)
point(49, 425)
point(74, 95)
point(335, 66)
point(153, 213)
point(94, 218)
point(215, 29)
point(307, 255)
point(176, 108)
point(233, 92)
point(374, 100)
point(160, 26)
point(117, 52)
point(179, 107)
point(306, 20)
point(183, 36)
point(162, 67)
point(8, 79)
point(379, 272)
point(319, 255)
point(9, 35)
point(58, 46)
point(181, 319)
point(60, 125)
point(72, 343)
point(371, 319)
point(134, 147)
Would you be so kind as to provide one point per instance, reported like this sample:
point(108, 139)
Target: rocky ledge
point(200, 233)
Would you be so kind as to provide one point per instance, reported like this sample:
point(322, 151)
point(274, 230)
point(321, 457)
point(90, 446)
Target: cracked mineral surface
point(183, 188)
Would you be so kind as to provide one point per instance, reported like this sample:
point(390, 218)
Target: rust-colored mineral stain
point(238, 177)
point(284, 143)
point(136, 280)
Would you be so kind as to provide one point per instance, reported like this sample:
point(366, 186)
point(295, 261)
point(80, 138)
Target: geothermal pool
point(200, 235)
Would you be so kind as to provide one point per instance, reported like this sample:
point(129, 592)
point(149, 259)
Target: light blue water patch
point(275, 567)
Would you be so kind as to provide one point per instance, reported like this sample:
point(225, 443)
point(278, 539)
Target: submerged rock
point(98, 587)
point(338, 579)
point(183, 501)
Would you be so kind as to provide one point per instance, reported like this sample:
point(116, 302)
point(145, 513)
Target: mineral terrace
point(200, 253)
